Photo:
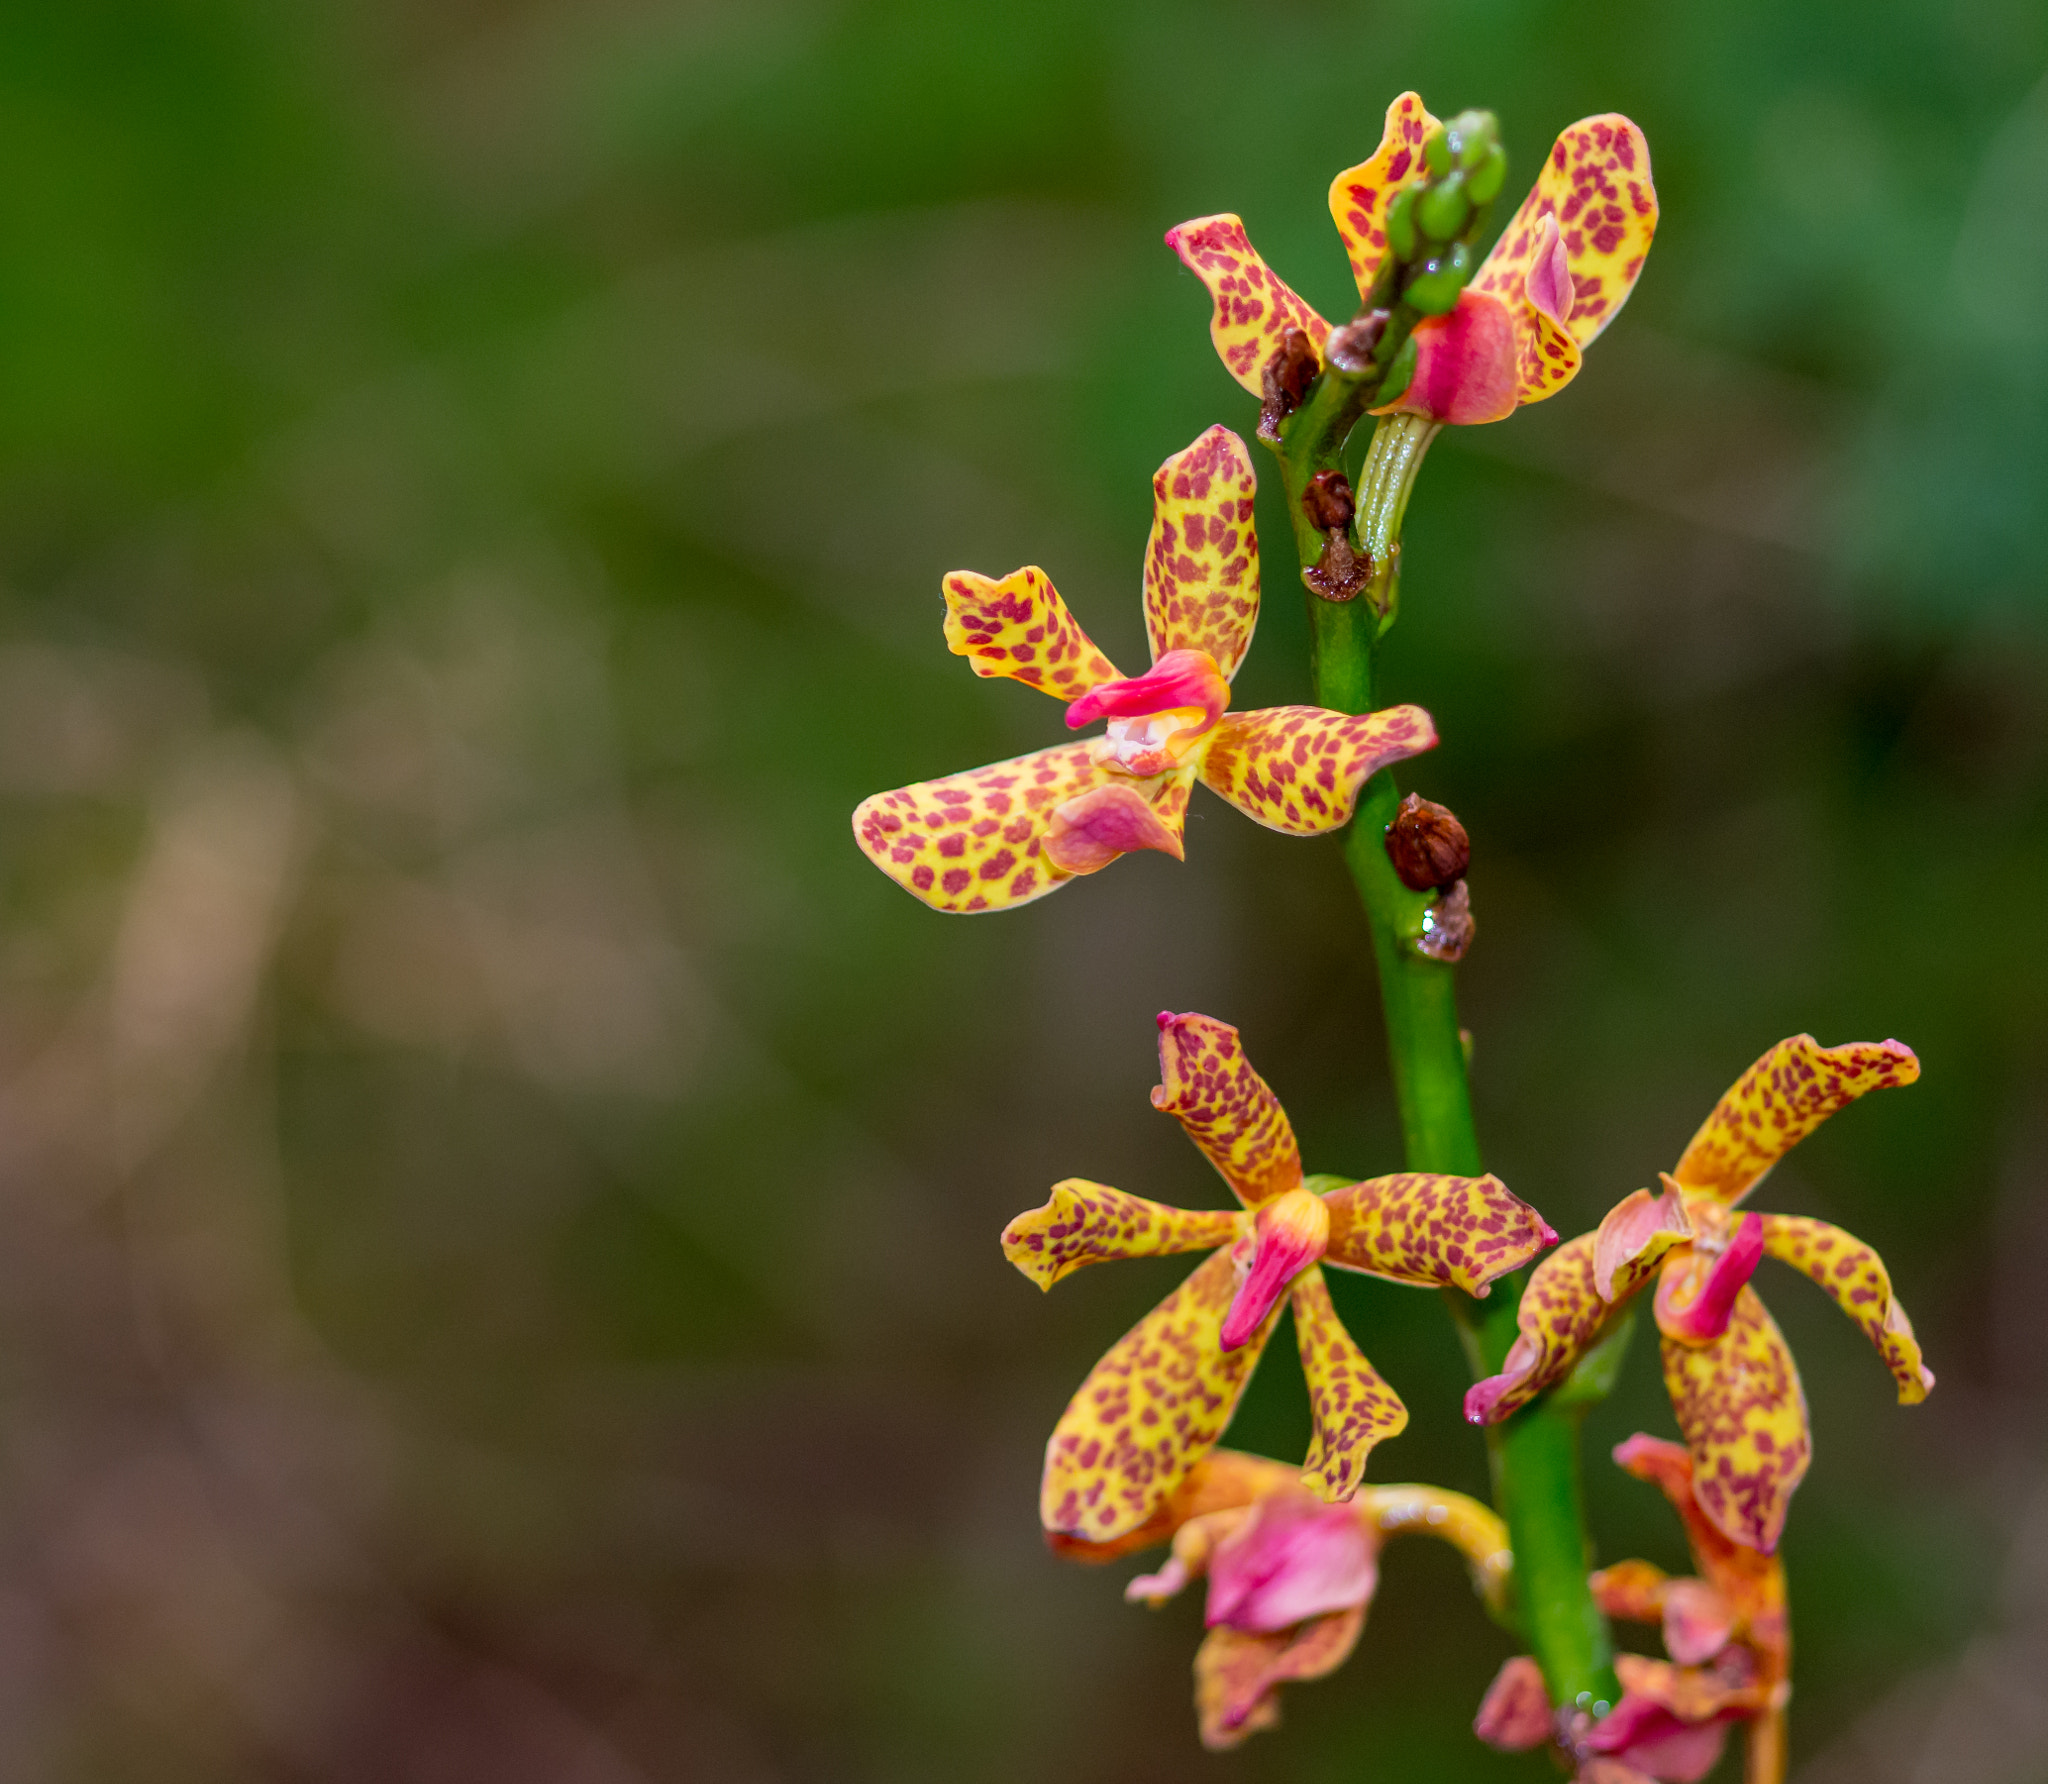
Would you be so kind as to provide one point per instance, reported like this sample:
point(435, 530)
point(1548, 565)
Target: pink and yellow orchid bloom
point(1004, 835)
point(1732, 1380)
point(1290, 1575)
point(1727, 1635)
point(1161, 1398)
point(1559, 274)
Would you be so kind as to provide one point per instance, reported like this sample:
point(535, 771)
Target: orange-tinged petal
point(1351, 1403)
point(1207, 1084)
point(1238, 1674)
point(1359, 196)
point(1148, 1412)
point(1781, 1099)
point(1856, 1277)
point(1020, 628)
point(1086, 1223)
point(1633, 1238)
point(1751, 1585)
point(975, 841)
point(1202, 562)
point(1691, 1693)
point(1743, 1412)
point(1633, 1591)
point(1560, 1318)
point(1222, 1480)
point(1298, 768)
point(1597, 185)
point(1435, 1231)
point(1253, 307)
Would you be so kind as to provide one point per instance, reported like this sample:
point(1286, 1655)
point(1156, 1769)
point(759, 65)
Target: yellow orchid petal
point(1743, 1412)
point(1254, 308)
point(1207, 1084)
point(1238, 1673)
point(1434, 1231)
point(1149, 1411)
point(1202, 562)
point(1781, 1099)
point(1298, 769)
point(1597, 185)
point(1856, 1277)
point(1087, 1223)
point(1020, 628)
point(1560, 1317)
point(1631, 1591)
point(976, 841)
point(1351, 1403)
point(1359, 196)
point(1223, 1480)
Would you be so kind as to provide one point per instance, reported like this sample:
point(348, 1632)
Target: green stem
point(1534, 1454)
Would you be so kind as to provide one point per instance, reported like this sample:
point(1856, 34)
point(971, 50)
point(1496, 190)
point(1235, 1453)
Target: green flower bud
point(1444, 209)
point(1401, 223)
point(1399, 373)
point(1483, 183)
point(1433, 289)
point(1436, 154)
point(1471, 134)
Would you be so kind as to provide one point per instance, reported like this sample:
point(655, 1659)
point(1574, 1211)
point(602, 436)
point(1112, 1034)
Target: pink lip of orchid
point(1711, 1288)
point(1292, 1559)
point(1287, 1237)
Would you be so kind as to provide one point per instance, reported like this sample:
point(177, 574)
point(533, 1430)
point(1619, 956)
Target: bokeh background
point(498, 1201)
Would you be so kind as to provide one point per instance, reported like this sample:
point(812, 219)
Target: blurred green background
point(498, 1200)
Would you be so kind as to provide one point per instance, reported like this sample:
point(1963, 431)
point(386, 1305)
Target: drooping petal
point(1086, 1223)
point(1434, 1231)
point(1630, 1242)
point(1207, 1084)
point(976, 841)
point(1291, 1558)
point(1298, 768)
point(1781, 1099)
point(1856, 1277)
point(1253, 307)
point(1202, 561)
point(1237, 1675)
point(1467, 363)
point(1223, 1480)
point(1743, 1412)
point(1350, 1402)
point(1020, 628)
point(1148, 1412)
point(1515, 1713)
point(1597, 185)
point(1359, 196)
point(1560, 1318)
point(1750, 1585)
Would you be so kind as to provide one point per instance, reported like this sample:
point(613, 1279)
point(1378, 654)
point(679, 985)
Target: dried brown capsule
point(1350, 348)
point(1447, 926)
point(1340, 574)
point(1427, 845)
point(1328, 501)
point(1285, 381)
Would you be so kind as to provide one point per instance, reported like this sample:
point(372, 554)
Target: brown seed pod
point(1427, 845)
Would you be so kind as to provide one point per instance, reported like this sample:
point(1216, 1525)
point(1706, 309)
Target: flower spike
point(1732, 1380)
point(1002, 836)
point(1138, 1431)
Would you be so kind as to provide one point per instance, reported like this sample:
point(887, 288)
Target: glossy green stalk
point(1534, 1454)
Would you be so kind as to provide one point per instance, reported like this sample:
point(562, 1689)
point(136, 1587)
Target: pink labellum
point(1698, 1622)
point(1515, 1714)
point(1290, 1235)
point(1696, 1294)
point(1549, 281)
point(1483, 1396)
point(1292, 1559)
point(1093, 828)
point(1465, 365)
point(1179, 678)
point(1644, 1734)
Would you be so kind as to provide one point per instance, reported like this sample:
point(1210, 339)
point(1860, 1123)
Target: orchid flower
point(1726, 1633)
point(1732, 1380)
point(1290, 1576)
point(1161, 1397)
point(1004, 835)
point(1559, 274)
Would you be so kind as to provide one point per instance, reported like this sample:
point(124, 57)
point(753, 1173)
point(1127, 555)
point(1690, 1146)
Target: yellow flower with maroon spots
point(1156, 1404)
point(1732, 1380)
point(1559, 274)
point(1004, 835)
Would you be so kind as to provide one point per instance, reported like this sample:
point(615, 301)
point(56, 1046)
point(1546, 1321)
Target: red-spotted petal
point(1298, 768)
point(1222, 1480)
point(1148, 1412)
point(1238, 1674)
point(1434, 1231)
point(1781, 1099)
point(1020, 628)
point(1560, 1317)
point(1088, 1223)
point(1350, 1402)
point(1743, 1412)
point(1856, 1277)
point(1359, 196)
point(1597, 185)
point(976, 841)
point(1202, 562)
point(1208, 1085)
point(1254, 309)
